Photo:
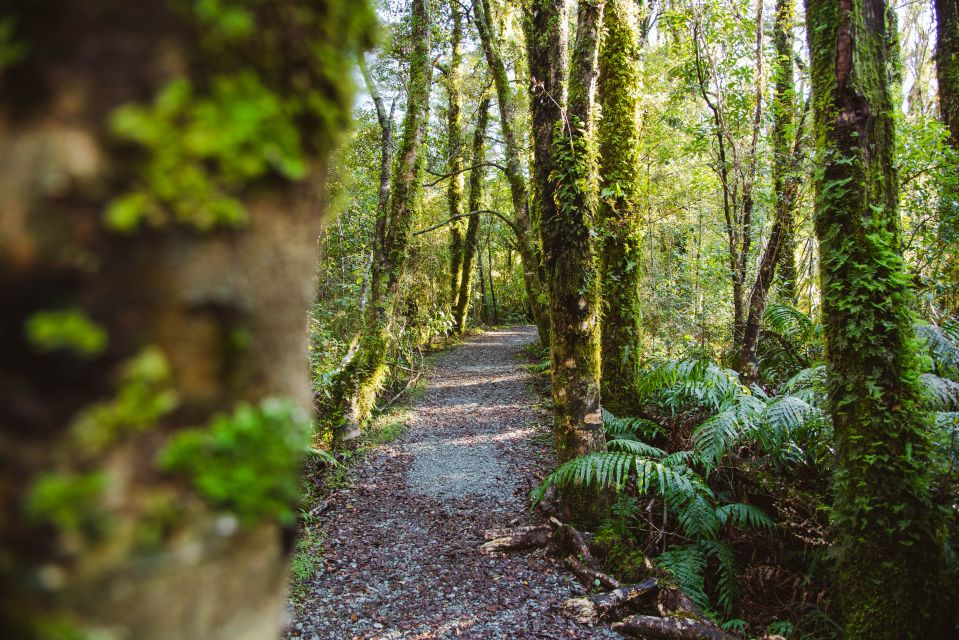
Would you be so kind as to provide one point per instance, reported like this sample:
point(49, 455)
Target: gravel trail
point(401, 559)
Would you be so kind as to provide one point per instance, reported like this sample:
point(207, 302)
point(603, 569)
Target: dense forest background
point(734, 225)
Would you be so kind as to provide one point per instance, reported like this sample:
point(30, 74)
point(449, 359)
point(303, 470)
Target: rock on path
point(401, 559)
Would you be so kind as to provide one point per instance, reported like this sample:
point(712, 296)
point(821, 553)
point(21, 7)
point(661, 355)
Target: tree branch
point(499, 215)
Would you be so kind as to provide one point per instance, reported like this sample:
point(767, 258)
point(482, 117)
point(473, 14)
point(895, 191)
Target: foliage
point(69, 329)
point(247, 462)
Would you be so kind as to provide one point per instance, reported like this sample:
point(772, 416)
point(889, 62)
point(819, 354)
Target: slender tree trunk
point(352, 392)
point(153, 347)
point(477, 175)
point(889, 557)
point(618, 214)
point(484, 307)
point(454, 135)
point(785, 189)
point(534, 275)
point(947, 73)
point(492, 287)
point(564, 161)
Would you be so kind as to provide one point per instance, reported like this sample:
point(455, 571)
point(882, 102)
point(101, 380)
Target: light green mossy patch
point(66, 329)
point(144, 395)
point(247, 462)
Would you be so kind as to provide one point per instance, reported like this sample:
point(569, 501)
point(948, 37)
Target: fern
point(727, 572)
point(744, 515)
point(631, 428)
point(700, 381)
point(942, 394)
point(687, 566)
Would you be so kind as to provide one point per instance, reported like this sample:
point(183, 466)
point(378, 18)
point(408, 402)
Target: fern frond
point(942, 394)
point(744, 515)
point(790, 323)
point(636, 447)
point(943, 345)
point(727, 573)
point(700, 381)
point(618, 427)
point(687, 566)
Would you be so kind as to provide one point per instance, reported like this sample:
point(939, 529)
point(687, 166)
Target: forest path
point(401, 557)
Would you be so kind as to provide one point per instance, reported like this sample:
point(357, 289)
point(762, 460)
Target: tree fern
point(744, 515)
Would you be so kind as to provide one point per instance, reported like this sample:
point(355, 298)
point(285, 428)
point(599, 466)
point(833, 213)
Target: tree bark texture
point(153, 300)
point(884, 520)
point(454, 150)
point(947, 73)
point(471, 240)
point(620, 242)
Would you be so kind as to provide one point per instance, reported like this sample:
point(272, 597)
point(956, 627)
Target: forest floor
point(400, 553)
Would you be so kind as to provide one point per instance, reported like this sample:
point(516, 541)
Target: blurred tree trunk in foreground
point(160, 167)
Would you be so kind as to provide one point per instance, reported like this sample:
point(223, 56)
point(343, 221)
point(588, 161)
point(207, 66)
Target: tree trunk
point(534, 277)
point(618, 214)
point(947, 73)
point(477, 175)
point(564, 162)
point(454, 136)
point(352, 392)
point(154, 307)
point(785, 190)
point(885, 522)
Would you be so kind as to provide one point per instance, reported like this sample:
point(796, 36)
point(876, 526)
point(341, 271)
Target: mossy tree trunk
point(156, 260)
point(947, 73)
point(454, 149)
point(779, 250)
point(619, 231)
point(352, 392)
point(567, 196)
point(534, 274)
point(888, 552)
point(471, 239)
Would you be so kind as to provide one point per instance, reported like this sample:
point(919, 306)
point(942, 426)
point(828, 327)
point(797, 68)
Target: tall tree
point(358, 379)
point(884, 521)
point(787, 136)
point(564, 164)
point(618, 137)
point(153, 392)
point(947, 73)
point(470, 241)
point(534, 276)
point(454, 149)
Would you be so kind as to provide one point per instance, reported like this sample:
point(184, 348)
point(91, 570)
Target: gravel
point(401, 559)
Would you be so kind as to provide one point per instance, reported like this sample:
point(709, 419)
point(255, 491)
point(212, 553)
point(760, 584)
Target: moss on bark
point(619, 232)
point(888, 548)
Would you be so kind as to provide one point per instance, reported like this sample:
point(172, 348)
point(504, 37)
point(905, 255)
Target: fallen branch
point(612, 605)
point(589, 576)
point(639, 626)
point(493, 534)
point(516, 539)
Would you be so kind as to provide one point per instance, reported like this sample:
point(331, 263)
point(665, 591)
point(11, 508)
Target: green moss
point(68, 501)
point(207, 138)
point(618, 226)
point(885, 522)
point(68, 329)
point(144, 395)
point(247, 462)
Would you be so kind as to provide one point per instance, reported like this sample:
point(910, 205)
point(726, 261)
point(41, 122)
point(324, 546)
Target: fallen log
point(532, 530)
point(612, 605)
point(590, 576)
point(652, 627)
point(517, 539)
